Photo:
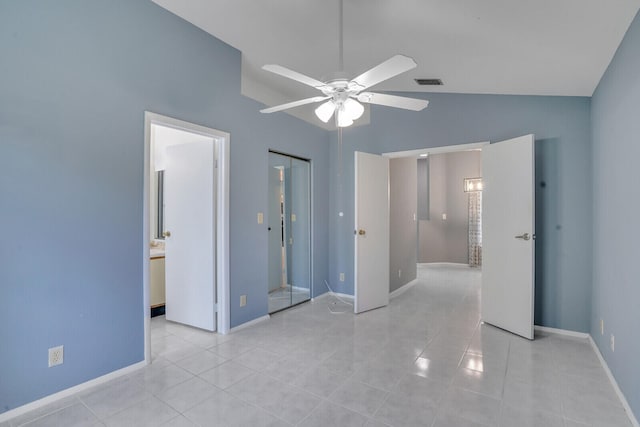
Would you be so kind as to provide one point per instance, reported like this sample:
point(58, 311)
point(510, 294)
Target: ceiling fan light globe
point(325, 111)
point(353, 109)
point(343, 119)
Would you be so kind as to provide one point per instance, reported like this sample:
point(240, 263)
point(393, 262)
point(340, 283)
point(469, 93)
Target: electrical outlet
point(260, 217)
point(243, 300)
point(444, 216)
point(342, 277)
point(613, 343)
point(56, 356)
point(601, 327)
point(399, 272)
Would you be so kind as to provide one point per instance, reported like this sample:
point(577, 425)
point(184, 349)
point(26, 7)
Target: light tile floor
point(286, 297)
point(422, 361)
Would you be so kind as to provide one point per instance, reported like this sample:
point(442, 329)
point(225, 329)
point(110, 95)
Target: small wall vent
point(429, 82)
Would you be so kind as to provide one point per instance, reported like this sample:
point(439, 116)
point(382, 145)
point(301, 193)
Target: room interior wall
point(432, 242)
point(76, 80)
point(563, 204)
point(403, 233)
point(447, 240)
point(616, 208)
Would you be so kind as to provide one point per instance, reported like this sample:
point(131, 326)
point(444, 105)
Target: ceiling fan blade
point(390, 68)
point(294, 104)
point(294, 75)
point(393, 101)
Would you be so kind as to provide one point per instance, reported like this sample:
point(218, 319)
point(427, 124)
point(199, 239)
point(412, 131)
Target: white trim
point(332, 294)
point(146, 250)
point(614, 383)
point(402, 289)
point(450, 264)
point(605, 366)
point(70, 391)
point(222, 251)
point(249, 323)
point(563, 332)
point(222, 140)
point(321, 297)
point(437, 150)
point(340, 295)
point(325, 296)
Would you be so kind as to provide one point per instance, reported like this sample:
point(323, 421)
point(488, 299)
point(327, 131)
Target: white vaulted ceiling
point(532, 47)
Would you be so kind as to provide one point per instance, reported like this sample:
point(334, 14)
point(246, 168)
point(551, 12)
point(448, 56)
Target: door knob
point(524, 236)
point(166, 234)
point(362, 232)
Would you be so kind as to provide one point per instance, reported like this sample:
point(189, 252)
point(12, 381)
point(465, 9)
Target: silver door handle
point(524, 236)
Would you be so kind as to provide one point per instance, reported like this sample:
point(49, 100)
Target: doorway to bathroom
point(289, 227)
point(186, 223)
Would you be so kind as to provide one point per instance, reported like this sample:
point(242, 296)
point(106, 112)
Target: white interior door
point(190, 247)
point(508, 227)
point(371, 271)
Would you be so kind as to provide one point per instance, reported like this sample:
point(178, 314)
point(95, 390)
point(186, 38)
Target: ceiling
point(524, 47)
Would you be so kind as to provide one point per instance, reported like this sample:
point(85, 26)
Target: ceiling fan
point(344, 97)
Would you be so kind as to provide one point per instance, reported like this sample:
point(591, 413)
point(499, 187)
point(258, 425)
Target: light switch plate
point(260, 217)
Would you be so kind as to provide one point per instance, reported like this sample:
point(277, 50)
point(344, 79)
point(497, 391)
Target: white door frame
point(222, 140)
point(437, 150)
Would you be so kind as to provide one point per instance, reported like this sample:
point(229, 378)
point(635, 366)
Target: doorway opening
point(186, 174)
point(432, 218)
point(289, 219)
point(507, 233)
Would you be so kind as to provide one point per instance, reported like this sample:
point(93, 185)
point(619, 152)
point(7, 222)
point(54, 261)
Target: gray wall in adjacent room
point(448, 240)
point(403, 226)
point(432, 241)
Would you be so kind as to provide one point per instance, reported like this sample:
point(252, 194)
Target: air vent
point(429, 82)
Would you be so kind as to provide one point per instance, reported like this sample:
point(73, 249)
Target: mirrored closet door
point(289, 225)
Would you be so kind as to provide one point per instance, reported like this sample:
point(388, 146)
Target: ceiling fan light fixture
point(353, 109)
point(325, 110)
point(342, 118)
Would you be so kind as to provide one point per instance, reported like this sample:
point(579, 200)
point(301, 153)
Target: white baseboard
point(332, 294)
point(249, 323)
point(565, 332)
point(70, 391)
point(450, 264)
point(324, 296)
point(614, 383)
point(339, 295)
point(402, 289)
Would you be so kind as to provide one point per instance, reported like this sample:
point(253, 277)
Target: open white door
point(189, 183)
point(508, 227)
point(371, 271)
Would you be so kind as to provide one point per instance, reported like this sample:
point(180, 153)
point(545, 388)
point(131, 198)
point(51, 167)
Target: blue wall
point(75, 80)
point(563, 220)
point(615, 118)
